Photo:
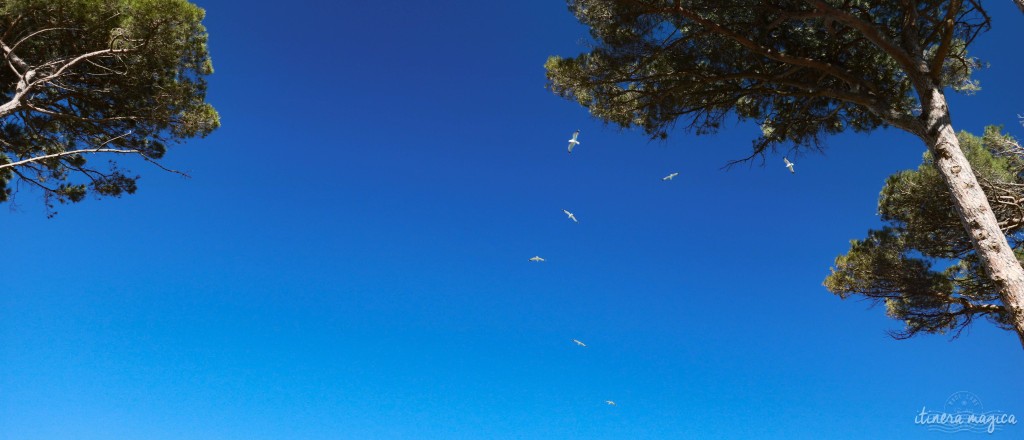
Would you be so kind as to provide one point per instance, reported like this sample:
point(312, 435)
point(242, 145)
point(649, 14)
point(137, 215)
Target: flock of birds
point(573, 142)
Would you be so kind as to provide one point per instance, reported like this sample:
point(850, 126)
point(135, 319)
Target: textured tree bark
point(975, 212)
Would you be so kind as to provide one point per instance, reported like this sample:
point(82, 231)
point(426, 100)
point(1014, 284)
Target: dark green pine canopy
point(804, 69)
point(922, 265)
point(788, 65)
point(97, 76)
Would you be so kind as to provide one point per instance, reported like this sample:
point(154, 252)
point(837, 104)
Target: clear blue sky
point(349, 259)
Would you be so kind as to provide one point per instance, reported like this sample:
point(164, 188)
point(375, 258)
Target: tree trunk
point(975, 212)
point(1020, 4)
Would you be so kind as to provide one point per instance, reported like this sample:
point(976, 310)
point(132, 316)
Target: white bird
point(669, 177)
point(571, 216)
point(789, 164)
point(536, 259)
point(573, 142)
point(609, 402)
point(579, 342)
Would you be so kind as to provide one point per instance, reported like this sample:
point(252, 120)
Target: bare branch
point(74, 61)
point(79, 118)
point(99, 149)
point(69, 153)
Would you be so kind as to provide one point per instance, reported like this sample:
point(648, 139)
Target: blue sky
point(349, 258)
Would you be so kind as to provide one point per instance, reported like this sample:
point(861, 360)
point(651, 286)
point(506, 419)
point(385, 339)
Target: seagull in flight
point(573, 142)
point(789, 164)
point(609, 402)
point(579, 342)
point(537, 259)
point(571, 216)
point(669, 177)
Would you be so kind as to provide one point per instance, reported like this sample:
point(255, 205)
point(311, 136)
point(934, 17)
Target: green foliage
point(799, 70)
point(805, 69)
point(123, 74)
point(922, 265)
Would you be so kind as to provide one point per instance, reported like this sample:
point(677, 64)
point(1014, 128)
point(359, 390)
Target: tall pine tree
point(803, 69)
point(922, 264)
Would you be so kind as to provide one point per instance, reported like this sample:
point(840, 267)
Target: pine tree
point(803, 69)
point(922, 264)
point(85, 78)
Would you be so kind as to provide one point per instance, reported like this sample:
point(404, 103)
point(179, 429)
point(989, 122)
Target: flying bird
point(579, 342)
point(573, 142)
point(789, 164)
point(571, 216)
point(669, 177)
point(537, 259)
point(609, 402)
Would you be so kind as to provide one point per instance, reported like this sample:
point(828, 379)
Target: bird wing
point(571, 145)
point(788, 163)
point(575, 134)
